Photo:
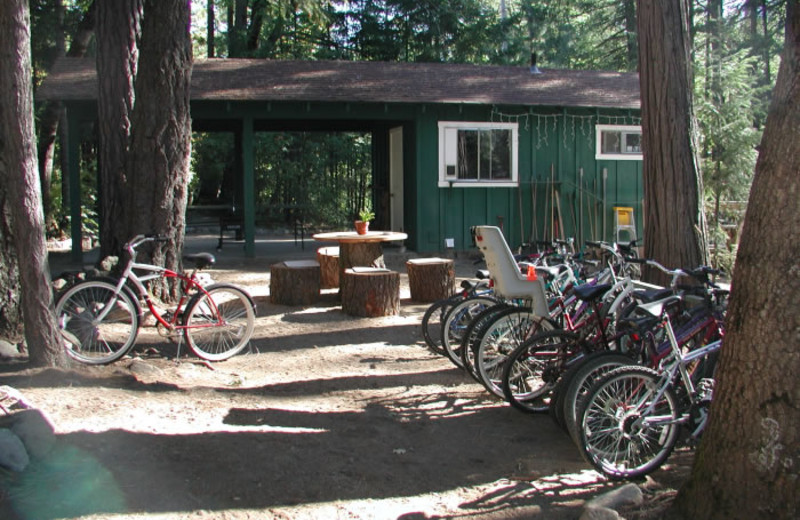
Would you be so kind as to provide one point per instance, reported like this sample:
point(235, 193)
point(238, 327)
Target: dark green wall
point(555, 146)
point(556, 162)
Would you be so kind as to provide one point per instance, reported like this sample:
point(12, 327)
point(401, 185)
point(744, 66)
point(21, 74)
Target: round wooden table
point(360, 250)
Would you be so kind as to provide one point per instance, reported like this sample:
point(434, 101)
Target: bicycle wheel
point(432, 323)
point(624, 432)
point(456, 322)
point(98, 326)
point(219, 323)
point(474, 332)
point(506, 331)
point(580, 379)
point(533, 369)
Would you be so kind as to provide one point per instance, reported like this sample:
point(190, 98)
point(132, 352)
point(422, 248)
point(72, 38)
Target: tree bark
point(11, 328)
point(211, 46)
point(370, 292)
point(431, 279)
point(20, 176)
point(675, 229)
point(158, 158)
point(118, 28)
point(748, 464)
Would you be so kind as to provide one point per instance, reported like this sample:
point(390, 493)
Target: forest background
point(736, 46)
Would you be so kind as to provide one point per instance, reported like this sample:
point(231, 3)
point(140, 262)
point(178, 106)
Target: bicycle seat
point(200, 260)
point(590, 292)
point(651, 295)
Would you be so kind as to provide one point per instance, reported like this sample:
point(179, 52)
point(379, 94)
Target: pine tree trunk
point(675, 227)
point(20, 176)
point(158, 158)
point(10, 296)
point(748, 464)
point(118, 27)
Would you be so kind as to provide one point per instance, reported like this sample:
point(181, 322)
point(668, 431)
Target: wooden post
point(294, 282)
point(328, 258)
point(431, 279)
point(370, 292)
point(358, 254)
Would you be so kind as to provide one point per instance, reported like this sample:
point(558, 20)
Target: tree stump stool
point(370, 292)
point(328, 258)
point(431, 279)
point(294, 282)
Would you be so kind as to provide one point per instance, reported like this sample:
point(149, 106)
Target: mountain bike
point(630, 420)
point(549, 362)
point(100, 318)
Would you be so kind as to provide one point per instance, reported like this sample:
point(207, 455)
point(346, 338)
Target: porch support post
point(74, 175)
point(248, 181)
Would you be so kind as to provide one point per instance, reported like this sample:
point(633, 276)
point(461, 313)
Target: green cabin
point(543, 154)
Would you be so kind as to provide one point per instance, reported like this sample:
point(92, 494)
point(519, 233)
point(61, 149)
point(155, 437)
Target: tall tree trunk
point(748, 464)
point(53, 110)
point(20, 176)
point(11, 294)
point(158, 158)
point(118, 27)
point(632, 44)
point(256, 23)
point(211, 30)
point(237, 28)
point(673, 187)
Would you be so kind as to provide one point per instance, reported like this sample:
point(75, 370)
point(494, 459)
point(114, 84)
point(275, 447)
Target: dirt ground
point(326, 416)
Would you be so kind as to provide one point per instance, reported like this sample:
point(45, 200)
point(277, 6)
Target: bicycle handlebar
point(141, 239)
point(699, 273)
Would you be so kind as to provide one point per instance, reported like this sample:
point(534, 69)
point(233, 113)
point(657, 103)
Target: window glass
point(477, 154)
point(501, 158)
point(611, 142)
point(619, 142)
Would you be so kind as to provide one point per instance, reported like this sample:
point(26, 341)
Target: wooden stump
point(358, 254)
point(328, 258)
point(370, 292)
point(431, 279)
point(294, 282)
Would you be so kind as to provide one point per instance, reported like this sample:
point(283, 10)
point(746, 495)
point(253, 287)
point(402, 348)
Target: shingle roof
point(74, 79)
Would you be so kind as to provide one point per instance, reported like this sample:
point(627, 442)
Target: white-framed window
point(619, 142)
point(478, 154)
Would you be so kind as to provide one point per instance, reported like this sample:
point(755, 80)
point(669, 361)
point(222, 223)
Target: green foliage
point(323, 178)
point(726, 115)
point(365, 215)
point(329, 175)
point(213, 168)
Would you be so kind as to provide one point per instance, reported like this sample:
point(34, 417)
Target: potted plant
point(362, 224)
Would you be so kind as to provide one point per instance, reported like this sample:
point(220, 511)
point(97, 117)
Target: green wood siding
point(556, 162)
point(557, 170)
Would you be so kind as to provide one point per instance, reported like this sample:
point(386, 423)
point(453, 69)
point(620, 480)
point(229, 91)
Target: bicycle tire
point(505, 332)
point(579, 381)
point(432, 323)
point(89, 339)
point(611, 436)
point(220, 322)
point(532, 371)
point(456, 322)
point(474, 331)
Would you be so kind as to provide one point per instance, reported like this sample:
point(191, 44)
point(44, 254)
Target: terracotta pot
point(362, 227)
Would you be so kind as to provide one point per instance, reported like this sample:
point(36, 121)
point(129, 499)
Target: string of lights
point(543, 123)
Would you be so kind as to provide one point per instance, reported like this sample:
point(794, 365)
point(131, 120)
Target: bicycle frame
point(155, 272)
point(671, 367)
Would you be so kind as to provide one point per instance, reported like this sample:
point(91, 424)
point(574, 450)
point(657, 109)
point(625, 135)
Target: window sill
point(619, 157)
point(477, 184)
